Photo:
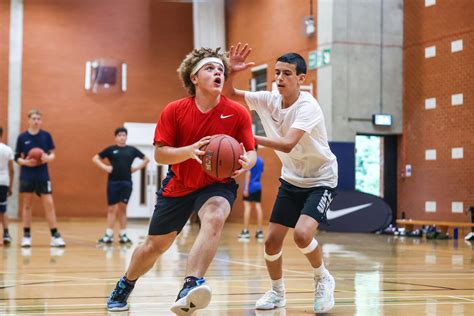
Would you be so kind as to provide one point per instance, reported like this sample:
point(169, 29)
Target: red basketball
point(222, 156)
point(35, 154)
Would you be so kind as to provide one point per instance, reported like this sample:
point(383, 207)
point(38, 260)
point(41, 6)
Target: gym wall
point(152, 37)
point(438, 127)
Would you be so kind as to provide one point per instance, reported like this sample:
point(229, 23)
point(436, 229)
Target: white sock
point(109, 232)
point(278, 286)
point(319, 271)
point(123, 232)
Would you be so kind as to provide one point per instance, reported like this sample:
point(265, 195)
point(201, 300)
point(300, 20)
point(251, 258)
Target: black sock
point(5, 231)
point(190, 281)
point(129, 282)
point(26, 232)
point(55, 233)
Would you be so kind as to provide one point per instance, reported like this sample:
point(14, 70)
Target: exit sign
point(319, 58)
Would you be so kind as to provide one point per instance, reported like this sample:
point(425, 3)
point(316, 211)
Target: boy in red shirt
point(184, 127)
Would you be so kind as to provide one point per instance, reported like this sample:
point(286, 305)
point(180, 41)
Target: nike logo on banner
point(226, 116)
point(344, 211)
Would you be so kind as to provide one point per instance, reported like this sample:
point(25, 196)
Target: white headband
point(204, 61)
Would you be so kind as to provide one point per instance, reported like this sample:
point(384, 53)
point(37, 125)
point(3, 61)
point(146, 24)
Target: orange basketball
point(35, 154)
point(222, 156)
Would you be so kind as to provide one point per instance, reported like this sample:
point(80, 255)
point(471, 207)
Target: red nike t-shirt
point(181, 124)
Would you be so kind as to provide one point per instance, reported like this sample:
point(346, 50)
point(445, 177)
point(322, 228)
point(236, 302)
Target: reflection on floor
point(375, 275)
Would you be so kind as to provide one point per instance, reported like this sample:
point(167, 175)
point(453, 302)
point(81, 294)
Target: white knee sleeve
point(272, 258)
point(310, 248)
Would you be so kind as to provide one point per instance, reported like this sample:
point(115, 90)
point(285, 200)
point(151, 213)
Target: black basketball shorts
point(253, 197)
point(172, 213)
point(3, 198)
point(36, 186)
point(119, 192)
point(293, 201)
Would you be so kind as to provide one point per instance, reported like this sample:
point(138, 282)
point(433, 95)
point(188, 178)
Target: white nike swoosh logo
point(226, 116)
point(344, 211)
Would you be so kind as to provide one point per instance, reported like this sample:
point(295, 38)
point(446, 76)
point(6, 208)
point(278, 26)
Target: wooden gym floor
point(375, 275)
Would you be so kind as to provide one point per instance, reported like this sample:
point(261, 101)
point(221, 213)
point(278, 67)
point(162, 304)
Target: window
point(369, 164)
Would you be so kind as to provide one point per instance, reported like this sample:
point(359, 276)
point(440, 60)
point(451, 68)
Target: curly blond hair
point(193, 58)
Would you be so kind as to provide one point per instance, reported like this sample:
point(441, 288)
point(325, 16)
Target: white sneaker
point(271, 300)
point(469, 236)
point(324, 293)
point(57, 242)
point(197, 298)
point(26, 242)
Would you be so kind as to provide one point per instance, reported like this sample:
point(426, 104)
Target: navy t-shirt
point(255, 176)
point(27, 141)
point(121, 159)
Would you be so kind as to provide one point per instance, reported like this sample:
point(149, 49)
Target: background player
point(119, 182)
point(6, 182)
point(34, 177)
point(252, 196)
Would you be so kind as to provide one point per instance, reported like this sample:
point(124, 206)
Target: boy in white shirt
point(295, 129)
point(6, 181)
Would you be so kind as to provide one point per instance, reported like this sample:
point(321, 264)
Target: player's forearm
point(144, 163)
point(171, 155)
point(252, 155)
point(246, 181)
point(51, 157)
point(231, 91)
point(96, 160)
point(11, 173)
point(278, 144)
point(20, 161)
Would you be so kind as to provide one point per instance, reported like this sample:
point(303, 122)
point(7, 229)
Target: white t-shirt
point(311, 162)
point(6, 154)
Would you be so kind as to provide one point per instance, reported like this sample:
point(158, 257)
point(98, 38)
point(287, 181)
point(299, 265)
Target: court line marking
point(227, 308)
point(464, 298)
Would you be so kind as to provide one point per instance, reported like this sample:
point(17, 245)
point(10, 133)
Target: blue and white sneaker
point(324, 293)
point(192, 298)
point(117, 301)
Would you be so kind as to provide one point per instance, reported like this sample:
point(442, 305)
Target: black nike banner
point(353, 211)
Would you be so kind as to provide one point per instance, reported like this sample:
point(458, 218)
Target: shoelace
point(184, 291)
point(271, 296)
point(120, 292)
point(320, 288)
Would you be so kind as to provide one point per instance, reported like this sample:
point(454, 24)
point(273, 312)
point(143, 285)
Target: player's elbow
point(160, 156)
point(287, 147)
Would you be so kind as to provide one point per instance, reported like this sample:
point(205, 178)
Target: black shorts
point(172, 213)
point(36, 186)
point(253, 197)
point(119, 192)
point(3, 198)
point(292, 201)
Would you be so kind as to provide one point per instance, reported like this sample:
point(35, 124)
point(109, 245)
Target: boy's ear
point(193, 79)
point(301, 78)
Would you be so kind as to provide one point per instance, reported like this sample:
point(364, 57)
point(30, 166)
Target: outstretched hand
point(237, 57)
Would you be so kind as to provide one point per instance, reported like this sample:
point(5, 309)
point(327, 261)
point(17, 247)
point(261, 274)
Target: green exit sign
point(319, 58)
